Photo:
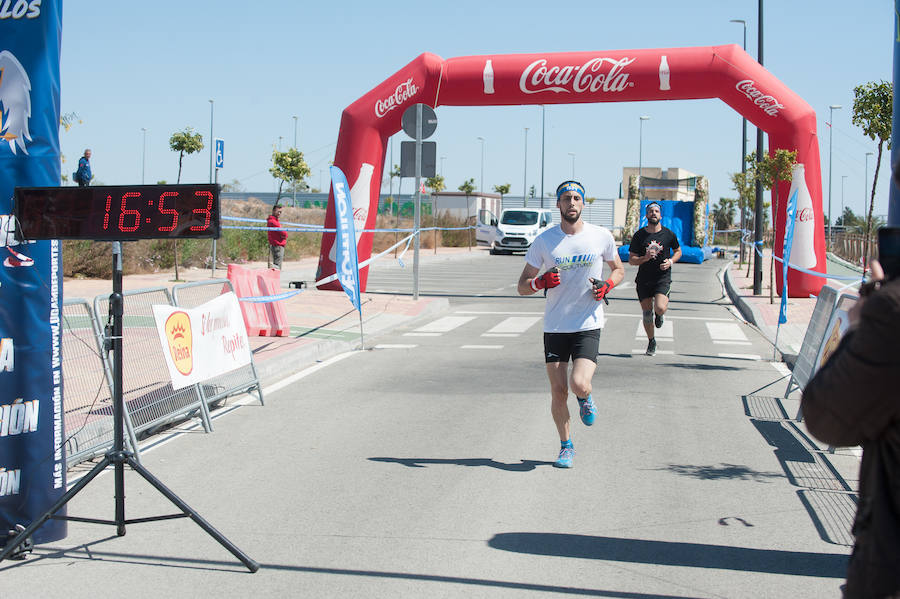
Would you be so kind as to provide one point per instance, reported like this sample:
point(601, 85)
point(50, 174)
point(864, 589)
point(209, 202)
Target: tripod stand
point(118, 456)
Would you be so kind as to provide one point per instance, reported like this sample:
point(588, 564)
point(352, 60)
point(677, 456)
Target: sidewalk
point(322, 323)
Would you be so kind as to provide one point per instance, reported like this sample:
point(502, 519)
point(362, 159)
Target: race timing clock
point(118, 213)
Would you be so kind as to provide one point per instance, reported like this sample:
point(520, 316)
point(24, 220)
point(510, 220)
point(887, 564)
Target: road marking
point(396, 346)
point(659, 351)
point(717, 342)
point(730, 331)
point(637, 314)
point(665, 332)
point(741, 356)
point(514, 324)
point(445, 324)
point(415, 334)
point(497, 312)
point(499, 334)
point(481, 347)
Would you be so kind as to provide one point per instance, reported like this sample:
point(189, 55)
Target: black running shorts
point(651, 288)
point(560, 347)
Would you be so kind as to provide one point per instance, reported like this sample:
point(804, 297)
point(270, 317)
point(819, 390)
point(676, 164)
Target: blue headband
point(570, 186)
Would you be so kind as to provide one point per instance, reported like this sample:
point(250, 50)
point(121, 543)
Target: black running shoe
point(658, 320)
point(651, 347)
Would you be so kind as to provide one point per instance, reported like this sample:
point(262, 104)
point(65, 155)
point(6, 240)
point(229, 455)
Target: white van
point(518, 227)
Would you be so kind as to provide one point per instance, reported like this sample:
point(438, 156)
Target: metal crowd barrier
point(149, 398)
point(241, 380)
point(87, 397)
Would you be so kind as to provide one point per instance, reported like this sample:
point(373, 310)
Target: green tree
point(183, 142)
point(288, 167)
point(502, 190)
point(770, 171)
point(436, 183)
point(872, 111)
point(467, 187)
point(723, 213)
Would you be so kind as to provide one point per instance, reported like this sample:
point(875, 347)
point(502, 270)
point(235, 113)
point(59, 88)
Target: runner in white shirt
point(571, 256)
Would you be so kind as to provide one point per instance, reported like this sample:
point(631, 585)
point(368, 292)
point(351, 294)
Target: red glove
point(548, 280)
point(601, 288)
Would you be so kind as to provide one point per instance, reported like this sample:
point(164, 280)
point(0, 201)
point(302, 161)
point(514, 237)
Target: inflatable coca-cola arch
point(724, 72)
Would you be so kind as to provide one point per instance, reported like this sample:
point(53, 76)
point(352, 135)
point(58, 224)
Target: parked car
point(517, 228)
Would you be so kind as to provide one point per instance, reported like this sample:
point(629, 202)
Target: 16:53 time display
point(118, 212)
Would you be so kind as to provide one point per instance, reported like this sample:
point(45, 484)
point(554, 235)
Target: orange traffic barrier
point(245, 285)
point(269, 283)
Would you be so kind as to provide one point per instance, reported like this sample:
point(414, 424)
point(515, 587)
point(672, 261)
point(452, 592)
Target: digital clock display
point(118, 213)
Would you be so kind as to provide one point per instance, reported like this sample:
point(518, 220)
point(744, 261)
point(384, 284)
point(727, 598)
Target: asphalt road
point(422, 467)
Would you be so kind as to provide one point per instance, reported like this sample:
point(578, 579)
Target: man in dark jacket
point(854, 399)
point(83, 175)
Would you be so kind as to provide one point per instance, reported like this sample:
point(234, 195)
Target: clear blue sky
point(155, 65)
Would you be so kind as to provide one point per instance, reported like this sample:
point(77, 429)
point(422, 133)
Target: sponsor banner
point(347, 261)
point(32, 457)
point(203, 342)
point(788, 242)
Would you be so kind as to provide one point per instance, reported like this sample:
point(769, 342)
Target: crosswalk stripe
point(725, 331)
point(418, 334)
point(719, 342)
point(659, 351)
point(500, 334)
point(481, 347)
point(514, 324)
point(665, 332)
point(445, 324)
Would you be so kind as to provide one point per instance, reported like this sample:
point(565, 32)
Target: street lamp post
point(143, 154)
point(543, 121)
point(843, 178)
point(572, 154)
point(641, 156)
point(758, 218)
point(831, 108)
point(295, 147)
point(481, 185)
point(212, 149)
point(743, 149)
point(525, 173)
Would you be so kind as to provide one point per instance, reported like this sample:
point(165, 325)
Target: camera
point(889, 251)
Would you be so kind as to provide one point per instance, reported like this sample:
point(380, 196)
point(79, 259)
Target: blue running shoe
point(587, 410)
point(565, 457)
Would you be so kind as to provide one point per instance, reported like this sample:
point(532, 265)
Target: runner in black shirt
point(655, 249)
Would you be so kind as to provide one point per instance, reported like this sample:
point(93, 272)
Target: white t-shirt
point(571, 305)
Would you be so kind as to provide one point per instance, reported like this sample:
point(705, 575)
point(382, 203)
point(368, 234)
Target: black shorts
point(648, 289)
point(559, 347)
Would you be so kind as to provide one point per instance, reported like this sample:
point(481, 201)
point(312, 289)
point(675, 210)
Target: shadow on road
point(668, 553)
point(523, 466)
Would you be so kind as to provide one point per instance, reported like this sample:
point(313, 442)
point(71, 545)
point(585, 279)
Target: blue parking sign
point(220, 153)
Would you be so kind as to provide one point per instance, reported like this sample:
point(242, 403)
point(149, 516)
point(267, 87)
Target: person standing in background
point(83, 175)
point(277, 239)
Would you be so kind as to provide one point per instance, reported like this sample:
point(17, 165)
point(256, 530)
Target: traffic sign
point(429, 121)
point(220, 153)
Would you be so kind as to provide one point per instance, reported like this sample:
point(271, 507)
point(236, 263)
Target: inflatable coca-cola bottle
point(803, 250)
point(359, 200)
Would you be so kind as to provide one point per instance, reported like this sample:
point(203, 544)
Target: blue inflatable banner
point(32, 459)
point(347, 261)
point(788, 243)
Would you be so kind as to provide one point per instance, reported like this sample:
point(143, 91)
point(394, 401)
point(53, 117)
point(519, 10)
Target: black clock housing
point(118, 212)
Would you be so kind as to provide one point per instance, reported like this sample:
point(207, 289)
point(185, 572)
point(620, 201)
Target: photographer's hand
point(866, 289)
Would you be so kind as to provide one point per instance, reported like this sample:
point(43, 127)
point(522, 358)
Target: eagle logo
point(15, 102)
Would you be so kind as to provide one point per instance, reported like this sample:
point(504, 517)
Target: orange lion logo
point(181, 343)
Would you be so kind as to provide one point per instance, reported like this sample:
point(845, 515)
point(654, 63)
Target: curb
point(751, 315)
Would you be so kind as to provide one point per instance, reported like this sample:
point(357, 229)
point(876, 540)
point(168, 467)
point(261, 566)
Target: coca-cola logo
point(402, 93)
point(805, 215)
point(360, 215)
point(598, 74)
point(767, 103)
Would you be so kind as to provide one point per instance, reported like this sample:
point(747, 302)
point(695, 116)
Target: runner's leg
point(647, 306)
point(557, 372)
